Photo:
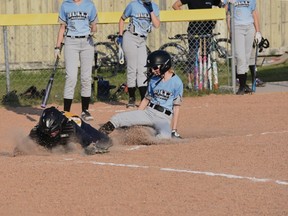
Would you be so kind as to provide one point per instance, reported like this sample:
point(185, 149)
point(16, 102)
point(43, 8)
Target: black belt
point(160, 109)
point(85, 36)
point(142, 36)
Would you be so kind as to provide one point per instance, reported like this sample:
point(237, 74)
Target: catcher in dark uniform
point(59, 128)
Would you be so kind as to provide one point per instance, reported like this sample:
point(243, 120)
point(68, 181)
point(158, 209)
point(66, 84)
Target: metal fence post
point(232, 29)
point(6, 56)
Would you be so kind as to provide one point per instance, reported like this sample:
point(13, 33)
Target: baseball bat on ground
point(50, 82)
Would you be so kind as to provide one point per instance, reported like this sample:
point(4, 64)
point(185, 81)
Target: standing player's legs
point(141, 69)
point(71, 53)
point(248, 48)
point(130, 46)
point(86, 62)
point(240, 54)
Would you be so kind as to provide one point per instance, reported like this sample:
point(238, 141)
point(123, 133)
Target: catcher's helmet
point(161, 59)
point(51, 122)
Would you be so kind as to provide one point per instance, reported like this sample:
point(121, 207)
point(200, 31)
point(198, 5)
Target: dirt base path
point(233, 161)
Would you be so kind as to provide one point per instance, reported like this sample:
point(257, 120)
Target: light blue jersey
point(78, 17)
point(243, 11)
point(167, 93)
point(140, 18)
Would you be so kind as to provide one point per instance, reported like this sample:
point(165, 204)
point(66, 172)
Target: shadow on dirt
point(11, 102)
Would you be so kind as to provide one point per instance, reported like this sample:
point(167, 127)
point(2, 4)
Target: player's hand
point(57, 52)
point(258, 37)
point(120, 40)
point(176, 135)
point(148, 5)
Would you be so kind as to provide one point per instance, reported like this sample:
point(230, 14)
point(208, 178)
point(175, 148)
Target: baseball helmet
point(51, 122)
point(160, 59)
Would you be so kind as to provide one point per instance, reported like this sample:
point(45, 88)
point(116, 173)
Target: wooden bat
point(205, 78)
point(209, 70)
point(200, 65)
point(255, 70)
point(50, 82)
point(196, 68)
point(215, 69)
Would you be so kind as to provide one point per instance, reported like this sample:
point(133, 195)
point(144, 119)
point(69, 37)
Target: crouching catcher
point(59, 128)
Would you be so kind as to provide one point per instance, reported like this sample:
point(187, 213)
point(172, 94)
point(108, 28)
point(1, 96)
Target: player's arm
point(143, 104)
point(121, 25)
point(256, 20)
point(61, 32)
point(177, 5)
point(227, 16)
point(155, 20)
point(93, 28)
point(176, 111)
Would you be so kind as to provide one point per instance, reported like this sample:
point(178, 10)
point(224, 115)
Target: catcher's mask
point(51, 122)
point(159, 59)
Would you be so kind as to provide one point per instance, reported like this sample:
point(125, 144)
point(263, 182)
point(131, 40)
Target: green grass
point(273, 73)
point(21, 80)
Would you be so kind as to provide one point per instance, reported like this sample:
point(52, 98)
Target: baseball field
point(233, 160)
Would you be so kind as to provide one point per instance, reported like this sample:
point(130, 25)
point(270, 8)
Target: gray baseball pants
point(76, 49)
point(244, 36)
point(148, 117)
point(135, 52)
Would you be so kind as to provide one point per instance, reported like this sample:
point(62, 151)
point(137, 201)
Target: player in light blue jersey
point(77, 20)
point(246, 21)
point(161, 105)
point(143, 16)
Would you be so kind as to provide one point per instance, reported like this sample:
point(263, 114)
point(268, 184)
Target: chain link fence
point(199, 49)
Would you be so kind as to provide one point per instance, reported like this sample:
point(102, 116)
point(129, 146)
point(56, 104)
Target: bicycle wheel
point(223, 47)
point(107, 59)
point(178, 54)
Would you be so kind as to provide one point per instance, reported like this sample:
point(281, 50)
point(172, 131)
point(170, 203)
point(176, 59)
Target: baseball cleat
point(86, 116)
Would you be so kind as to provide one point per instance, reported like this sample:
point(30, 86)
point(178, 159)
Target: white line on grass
point(224, 175)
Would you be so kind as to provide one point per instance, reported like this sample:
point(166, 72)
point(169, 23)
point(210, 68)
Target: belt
point(160, 109)
point(142, 36)
point(84, 36)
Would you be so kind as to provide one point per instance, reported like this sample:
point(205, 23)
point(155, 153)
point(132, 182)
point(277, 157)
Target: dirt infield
point(233, 161)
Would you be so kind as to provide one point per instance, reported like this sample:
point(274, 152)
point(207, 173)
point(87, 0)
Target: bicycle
point(106, 57)
point(179, 53)
point(208, 60)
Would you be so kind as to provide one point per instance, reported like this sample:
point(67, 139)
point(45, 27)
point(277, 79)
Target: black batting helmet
point(51, 122)
point(161, 59)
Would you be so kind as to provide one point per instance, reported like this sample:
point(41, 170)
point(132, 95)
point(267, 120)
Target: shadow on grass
point(273, 73)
